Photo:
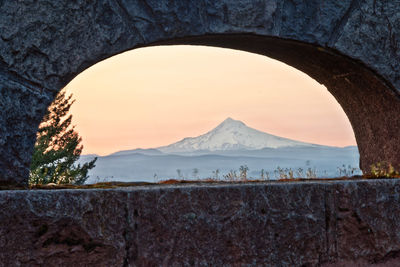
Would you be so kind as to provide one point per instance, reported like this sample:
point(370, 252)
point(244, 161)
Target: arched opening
point(258, 114)
point(367, 99)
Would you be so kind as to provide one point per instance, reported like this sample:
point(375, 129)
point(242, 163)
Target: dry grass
point(103, 185)
point(109, 185)
point(214, 181)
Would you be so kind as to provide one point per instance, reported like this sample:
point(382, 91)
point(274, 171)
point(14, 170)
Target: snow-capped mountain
point(225, 148)
point(231, 135)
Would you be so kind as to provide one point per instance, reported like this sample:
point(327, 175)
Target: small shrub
point(383, 169)
point(300, 173)
point(231, 176)
point(286, 173)
point(243, 172)
point(216, 174)
point(347, 171)
point(264, 175)
point(311, 173)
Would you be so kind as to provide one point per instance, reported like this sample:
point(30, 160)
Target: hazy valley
point(216, 153)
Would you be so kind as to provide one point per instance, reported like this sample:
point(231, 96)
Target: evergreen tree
point(58, 147)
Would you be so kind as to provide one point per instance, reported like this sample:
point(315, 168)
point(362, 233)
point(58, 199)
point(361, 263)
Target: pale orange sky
point(155, 96)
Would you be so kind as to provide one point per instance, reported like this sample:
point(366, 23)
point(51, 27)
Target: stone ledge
point(287, 224)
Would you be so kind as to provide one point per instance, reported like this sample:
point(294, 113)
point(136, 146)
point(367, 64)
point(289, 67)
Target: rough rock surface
point(347, 223)
point(351, 46)
point(62, 228)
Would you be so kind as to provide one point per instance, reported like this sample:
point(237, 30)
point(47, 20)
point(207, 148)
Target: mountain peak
point(231, 135)
point(230, 121)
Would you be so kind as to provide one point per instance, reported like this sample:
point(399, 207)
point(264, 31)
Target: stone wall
point(351, 46)
point(341, 223)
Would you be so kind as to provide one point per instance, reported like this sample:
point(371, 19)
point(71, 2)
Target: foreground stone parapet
point(284, 224)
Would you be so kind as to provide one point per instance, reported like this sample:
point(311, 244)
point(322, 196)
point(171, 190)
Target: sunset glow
point(155, 96)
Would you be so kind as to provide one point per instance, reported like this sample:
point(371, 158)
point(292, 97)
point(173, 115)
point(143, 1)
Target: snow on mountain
point(231, 135)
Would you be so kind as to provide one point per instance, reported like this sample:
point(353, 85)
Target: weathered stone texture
point(50, 42)
point(234, 225)
point(62, 228)
point(21, 107)
point(372, 34)
point(353, 223)
point(366, 224)
point(47, 43)
point(368, 221)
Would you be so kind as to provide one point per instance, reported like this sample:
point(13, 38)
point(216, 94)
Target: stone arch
point(350, 46)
